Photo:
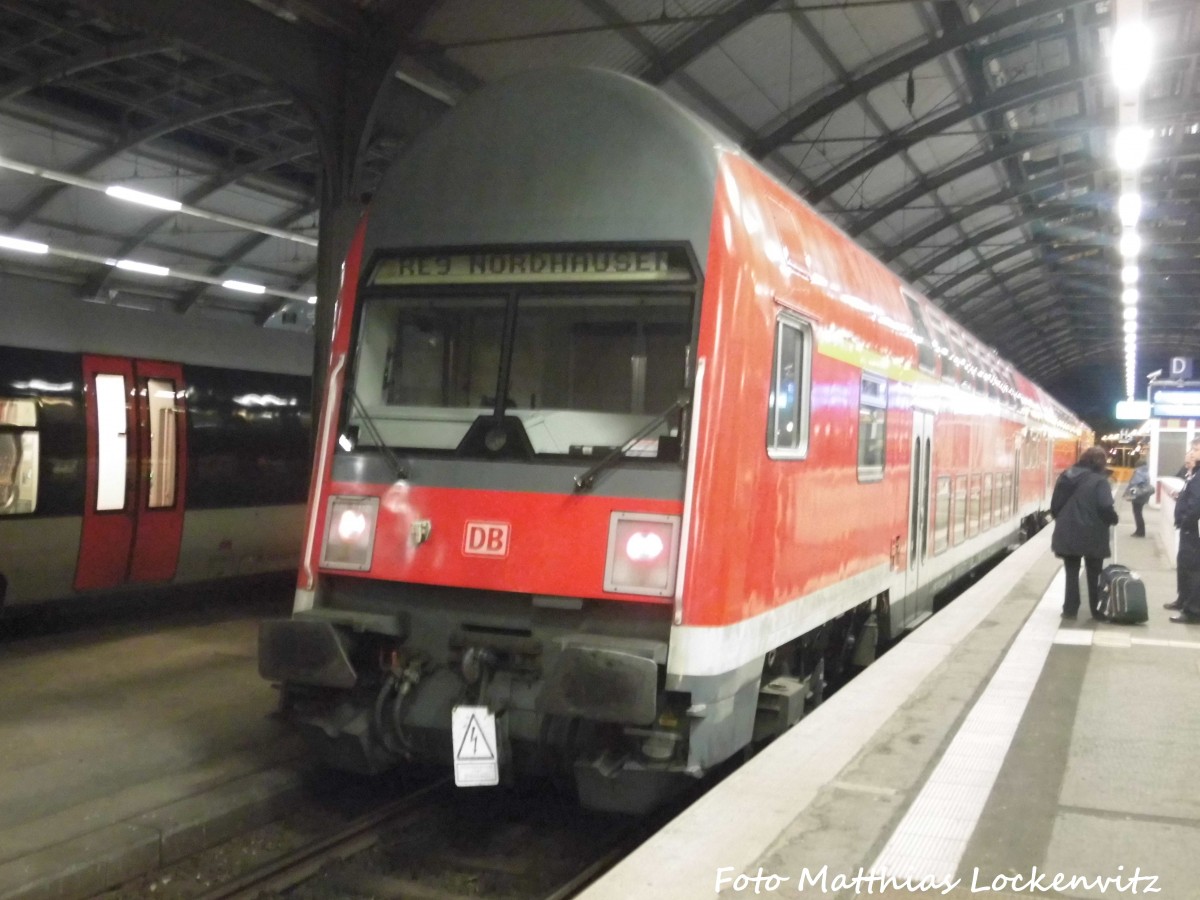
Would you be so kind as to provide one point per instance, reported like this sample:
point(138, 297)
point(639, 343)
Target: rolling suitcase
point(1122, 596)
point(1122, 593)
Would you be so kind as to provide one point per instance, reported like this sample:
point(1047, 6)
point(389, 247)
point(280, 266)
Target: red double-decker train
point(625, 452)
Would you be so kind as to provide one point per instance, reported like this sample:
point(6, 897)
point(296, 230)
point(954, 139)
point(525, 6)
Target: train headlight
point(350, 533)
point(643, 550)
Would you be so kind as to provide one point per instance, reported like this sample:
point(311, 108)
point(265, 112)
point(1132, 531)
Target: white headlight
point(350, 533)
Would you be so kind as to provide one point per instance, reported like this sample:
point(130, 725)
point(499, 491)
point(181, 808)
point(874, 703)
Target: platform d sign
point(1180, 369)
point(476, 763)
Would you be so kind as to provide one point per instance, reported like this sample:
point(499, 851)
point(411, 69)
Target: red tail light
point(642, 554)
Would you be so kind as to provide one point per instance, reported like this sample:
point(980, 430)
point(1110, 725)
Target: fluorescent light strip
point(12, 243)
point(244, 286)
point(146, 199)
point(1131, 54)
point(141, 198)
point(131, 265)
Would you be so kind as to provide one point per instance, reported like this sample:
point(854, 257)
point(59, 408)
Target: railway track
point(440, 843)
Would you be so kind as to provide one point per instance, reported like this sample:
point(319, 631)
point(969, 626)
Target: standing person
point(1185, 471)
point(1139, 492)
point(1181, 568)
point(1082, 506)
point(1187, 562)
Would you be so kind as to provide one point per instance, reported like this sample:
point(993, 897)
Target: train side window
point(112, 417)
point(941, 515)
point(872, 428)
point(980, 379)
point(958, 342)
point(19, 446)
point(974, 506)
point(788, 403)
point(942, 346)
point(926, 353)
point(985, 514)
point(960, 509)
point(160, 396)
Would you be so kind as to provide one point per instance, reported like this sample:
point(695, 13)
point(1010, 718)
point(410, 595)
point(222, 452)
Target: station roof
point(969, 145)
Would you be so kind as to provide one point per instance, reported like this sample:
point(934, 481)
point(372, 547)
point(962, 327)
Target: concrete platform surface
point(125, 747)
point(999, 751)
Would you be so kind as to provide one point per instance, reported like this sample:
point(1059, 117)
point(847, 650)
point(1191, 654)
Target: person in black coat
point(1082, 506)
point(1187, 562)
point(1184, 473)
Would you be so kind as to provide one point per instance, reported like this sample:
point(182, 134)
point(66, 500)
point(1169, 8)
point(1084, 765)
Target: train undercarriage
point(578, 688)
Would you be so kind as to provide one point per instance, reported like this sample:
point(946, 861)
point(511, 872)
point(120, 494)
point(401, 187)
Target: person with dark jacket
point(1082, 506)
point(1187, 561)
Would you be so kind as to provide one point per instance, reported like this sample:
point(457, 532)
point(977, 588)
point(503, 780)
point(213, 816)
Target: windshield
point(582, 370)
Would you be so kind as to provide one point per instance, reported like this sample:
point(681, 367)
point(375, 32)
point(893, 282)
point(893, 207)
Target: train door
point(1018, 467)
point(918, 511)
point(136, 455)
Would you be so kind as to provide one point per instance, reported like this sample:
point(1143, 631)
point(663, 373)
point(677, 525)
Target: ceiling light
point(141, 197)
point(1130, 56)
point(13, 243)
point(1129, 208)
point(133, 265)
point(1129, 274)
point(1131, 314)
point(312, 299)
point(244, 286)
point(1131, 146)
point(1129, 296)
point(1131, 244)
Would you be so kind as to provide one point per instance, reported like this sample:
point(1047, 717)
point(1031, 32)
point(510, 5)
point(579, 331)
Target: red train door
point(136, 467)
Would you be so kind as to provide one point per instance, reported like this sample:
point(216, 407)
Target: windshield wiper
point(585, 480)
point(398, 468)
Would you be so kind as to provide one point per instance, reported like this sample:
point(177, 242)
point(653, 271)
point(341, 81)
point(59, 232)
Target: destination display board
point(636, 264)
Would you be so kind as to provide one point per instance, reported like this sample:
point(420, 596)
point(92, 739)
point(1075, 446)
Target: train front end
point(498, 514)
point(496, 534)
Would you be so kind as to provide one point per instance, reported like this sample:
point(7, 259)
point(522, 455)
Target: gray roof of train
point(551, 156)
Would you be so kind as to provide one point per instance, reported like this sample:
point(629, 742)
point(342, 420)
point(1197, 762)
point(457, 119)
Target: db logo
point(486, 539)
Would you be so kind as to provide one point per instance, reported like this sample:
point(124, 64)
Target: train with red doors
point(142, 451)
point(625, 452)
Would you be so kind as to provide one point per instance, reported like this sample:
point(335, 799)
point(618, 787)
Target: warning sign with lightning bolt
point(474, 733)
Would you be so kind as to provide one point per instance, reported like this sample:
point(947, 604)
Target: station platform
point(998, 751)
point(132, 744)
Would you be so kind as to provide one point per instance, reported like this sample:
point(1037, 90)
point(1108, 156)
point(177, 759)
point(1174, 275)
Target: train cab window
point(926, 353)
point(788, 403)
point(960, 509)
point(872, 428)
point(18, 456)
point(582, 370)
point(941, 515)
